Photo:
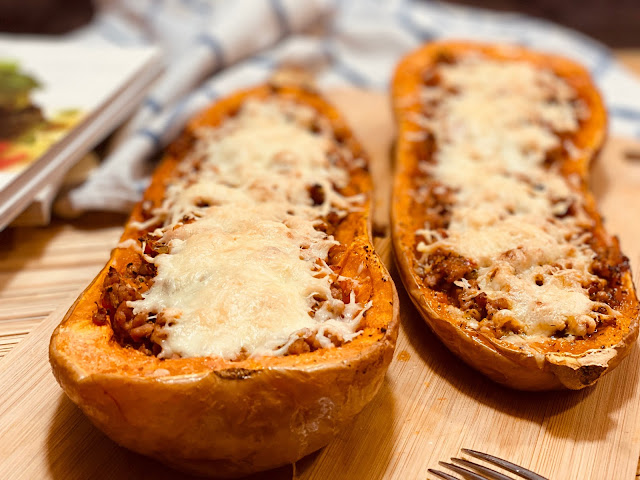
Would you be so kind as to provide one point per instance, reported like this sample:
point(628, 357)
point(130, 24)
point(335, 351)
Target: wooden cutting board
point(430, 405)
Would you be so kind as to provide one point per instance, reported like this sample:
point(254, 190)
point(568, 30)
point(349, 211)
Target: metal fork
point(475, 471)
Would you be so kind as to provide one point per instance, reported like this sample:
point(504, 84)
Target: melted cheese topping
point(494, 123)
point(245, 270)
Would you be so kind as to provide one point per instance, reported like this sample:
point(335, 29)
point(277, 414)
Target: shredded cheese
point(494, 123)
point(244, 271)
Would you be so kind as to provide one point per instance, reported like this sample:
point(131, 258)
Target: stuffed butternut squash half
point(496, 233)
point(244, 317)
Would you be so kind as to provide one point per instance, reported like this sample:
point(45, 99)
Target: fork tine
point(512, 467)
point(468, 474)
point(489, 473)
point(440, 474)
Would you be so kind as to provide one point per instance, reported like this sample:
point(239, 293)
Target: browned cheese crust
point(557, 362)
point(219, 417)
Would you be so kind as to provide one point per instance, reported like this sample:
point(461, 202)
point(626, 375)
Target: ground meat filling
point(144, 332)
point(442, 271)
point(610, 265)
point(441, 268)
point(446, 271)
point(138, 331)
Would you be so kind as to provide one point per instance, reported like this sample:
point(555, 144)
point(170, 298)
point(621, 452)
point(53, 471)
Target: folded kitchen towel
point(215, 47)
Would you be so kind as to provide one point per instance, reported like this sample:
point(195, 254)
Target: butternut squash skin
point(214, 417)
point(556, 363)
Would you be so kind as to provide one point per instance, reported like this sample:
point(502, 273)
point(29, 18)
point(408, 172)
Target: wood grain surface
point(430, 406)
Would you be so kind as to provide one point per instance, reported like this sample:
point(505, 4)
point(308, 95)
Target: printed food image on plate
point(26, 131)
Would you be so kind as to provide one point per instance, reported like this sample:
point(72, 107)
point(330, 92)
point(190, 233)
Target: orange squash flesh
point(558, 362)
point(225, 418)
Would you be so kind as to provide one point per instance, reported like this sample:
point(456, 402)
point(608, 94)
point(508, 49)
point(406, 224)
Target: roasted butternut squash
point(244, 318)
point(495, 231)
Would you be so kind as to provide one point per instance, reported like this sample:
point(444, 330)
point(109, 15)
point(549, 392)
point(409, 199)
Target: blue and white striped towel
point(213, 48)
